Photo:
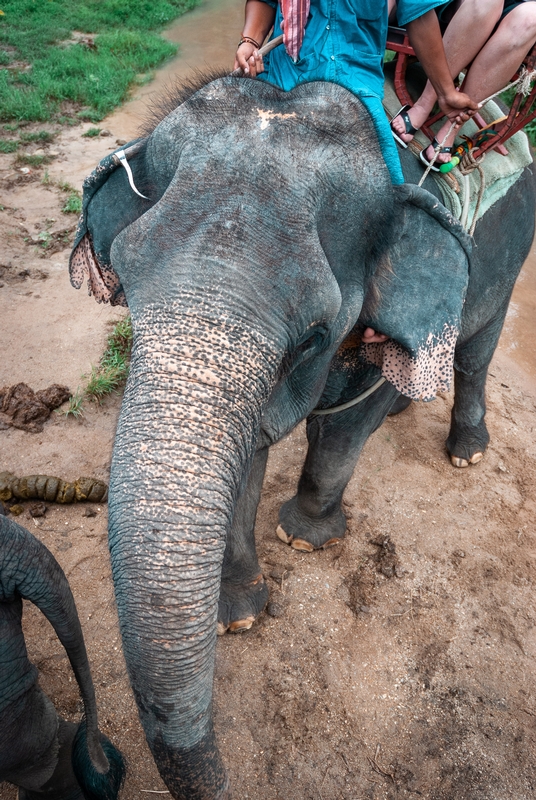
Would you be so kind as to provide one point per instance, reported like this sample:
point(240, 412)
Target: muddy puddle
point(207, 39)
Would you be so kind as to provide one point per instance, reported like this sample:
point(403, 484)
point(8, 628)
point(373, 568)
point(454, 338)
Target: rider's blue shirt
point(344, 42)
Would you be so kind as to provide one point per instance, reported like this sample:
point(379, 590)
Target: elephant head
point(270, 216)
point(40, 752)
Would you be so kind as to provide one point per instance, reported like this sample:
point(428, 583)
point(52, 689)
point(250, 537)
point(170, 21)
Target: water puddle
point(207, 39)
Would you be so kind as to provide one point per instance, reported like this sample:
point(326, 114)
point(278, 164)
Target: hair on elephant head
point(41, 753)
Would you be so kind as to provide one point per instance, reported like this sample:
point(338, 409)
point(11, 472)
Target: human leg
point(466, 34)
point(498, 60)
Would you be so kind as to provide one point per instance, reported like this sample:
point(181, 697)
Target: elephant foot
point(307, 533)
point(467, 447)
point(401, 403)
point(456, 461)
point(240, 605)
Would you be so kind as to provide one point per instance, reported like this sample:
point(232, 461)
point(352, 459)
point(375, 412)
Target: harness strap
point(322, 412)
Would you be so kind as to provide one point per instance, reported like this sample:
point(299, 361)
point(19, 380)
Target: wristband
point(248, 40)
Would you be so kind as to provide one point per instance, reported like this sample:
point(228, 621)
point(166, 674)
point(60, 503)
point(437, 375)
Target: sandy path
point(358, 683)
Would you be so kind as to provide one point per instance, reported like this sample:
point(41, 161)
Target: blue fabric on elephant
point(102, 281)
point(421, 304)
point(344, 42)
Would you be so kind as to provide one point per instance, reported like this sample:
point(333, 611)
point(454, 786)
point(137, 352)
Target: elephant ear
point(420, 304)
point(109, 204)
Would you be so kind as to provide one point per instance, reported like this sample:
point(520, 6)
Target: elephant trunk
point(185, 440)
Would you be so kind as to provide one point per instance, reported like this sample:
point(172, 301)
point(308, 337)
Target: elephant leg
point(243, 593)
point(38, 745)
point(63, 784)
point(314, 518)
point(468, 436)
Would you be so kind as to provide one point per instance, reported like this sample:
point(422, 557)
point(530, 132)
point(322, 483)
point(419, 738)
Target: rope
point(321, 412)
point(437, 149)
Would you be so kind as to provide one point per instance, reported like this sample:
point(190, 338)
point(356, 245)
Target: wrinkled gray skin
point(244, 273)
point(36, 745)
point(315, 514)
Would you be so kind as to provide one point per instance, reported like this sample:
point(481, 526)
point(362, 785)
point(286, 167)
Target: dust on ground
point(399, 664)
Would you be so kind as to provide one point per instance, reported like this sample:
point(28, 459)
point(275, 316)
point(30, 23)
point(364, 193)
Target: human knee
point(488, 10)
point(521, 23)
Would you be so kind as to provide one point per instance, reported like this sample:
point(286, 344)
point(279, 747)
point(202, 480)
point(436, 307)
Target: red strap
point(295, 14)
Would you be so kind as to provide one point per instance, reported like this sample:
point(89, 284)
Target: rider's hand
point(457, 106)
point(248, 60)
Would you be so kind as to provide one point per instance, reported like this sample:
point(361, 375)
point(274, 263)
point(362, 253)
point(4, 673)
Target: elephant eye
point(304, 349)
point(309, 343)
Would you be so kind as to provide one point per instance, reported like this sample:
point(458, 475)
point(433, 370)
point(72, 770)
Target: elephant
point(41, 753)
point(255, 234)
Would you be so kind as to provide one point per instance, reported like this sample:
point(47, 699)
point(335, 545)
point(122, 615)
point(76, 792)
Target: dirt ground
point(399, 664)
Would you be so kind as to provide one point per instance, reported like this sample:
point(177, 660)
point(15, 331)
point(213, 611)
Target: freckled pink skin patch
point(420, 375)
point(102, 281)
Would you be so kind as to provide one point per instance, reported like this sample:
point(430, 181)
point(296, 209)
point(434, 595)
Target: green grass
point(76, 405)
point(73, 204)
point(111, 372)
point(45, 137)
point(91, 132)
point(8, 145)
point(33, 161)
point(95, 74)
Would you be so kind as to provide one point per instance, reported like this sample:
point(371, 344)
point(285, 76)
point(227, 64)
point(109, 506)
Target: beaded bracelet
point(248, 40)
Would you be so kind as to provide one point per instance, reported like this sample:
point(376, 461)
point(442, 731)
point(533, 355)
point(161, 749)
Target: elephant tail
point(97, 785)
point(28, 569)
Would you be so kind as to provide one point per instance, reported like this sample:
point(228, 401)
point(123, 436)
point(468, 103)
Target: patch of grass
point(91, 132)
point(87, 115)
point(73, 204)
point(33, 161)
point(110, 374)
point(76, 405)
point(44, 238)
point(65, 187)
point(112, 370)
point(102, 382)
point(65, 120)
point(39, 136)
point(8, 146)
point(95, 72)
